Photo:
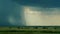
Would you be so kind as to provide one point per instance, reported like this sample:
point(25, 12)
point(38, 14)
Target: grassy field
point(25, 33)
point(26, 30)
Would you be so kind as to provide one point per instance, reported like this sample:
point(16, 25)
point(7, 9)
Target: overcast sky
point(12, 12)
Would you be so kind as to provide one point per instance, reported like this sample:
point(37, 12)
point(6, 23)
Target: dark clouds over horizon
point(13, 8)
point(40, 3)
point(49, 8)
point(9, 9)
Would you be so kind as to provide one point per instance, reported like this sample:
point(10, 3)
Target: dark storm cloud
point(9, 8)
point(45, 5)
point(13, 7)
point(49, 8)
point(40, 3)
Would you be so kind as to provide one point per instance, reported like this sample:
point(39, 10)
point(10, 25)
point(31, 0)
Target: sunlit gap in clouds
point(35, 16)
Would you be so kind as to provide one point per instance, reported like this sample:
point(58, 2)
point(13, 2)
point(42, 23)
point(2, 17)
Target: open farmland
point(29, 30)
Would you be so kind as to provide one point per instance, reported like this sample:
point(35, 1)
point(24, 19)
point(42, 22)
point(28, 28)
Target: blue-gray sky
point(49, 9)
point(40, 3)
point(13, 8)
point(10, 9)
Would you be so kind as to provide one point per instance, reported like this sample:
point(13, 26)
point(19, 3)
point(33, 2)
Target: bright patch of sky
point(44, 17)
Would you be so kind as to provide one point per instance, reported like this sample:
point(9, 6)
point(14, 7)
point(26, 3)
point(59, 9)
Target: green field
point(25, 33)
point(27, 30)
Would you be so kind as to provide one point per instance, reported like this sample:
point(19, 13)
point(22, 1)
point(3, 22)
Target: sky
point(12, 12)
point(35, 17)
